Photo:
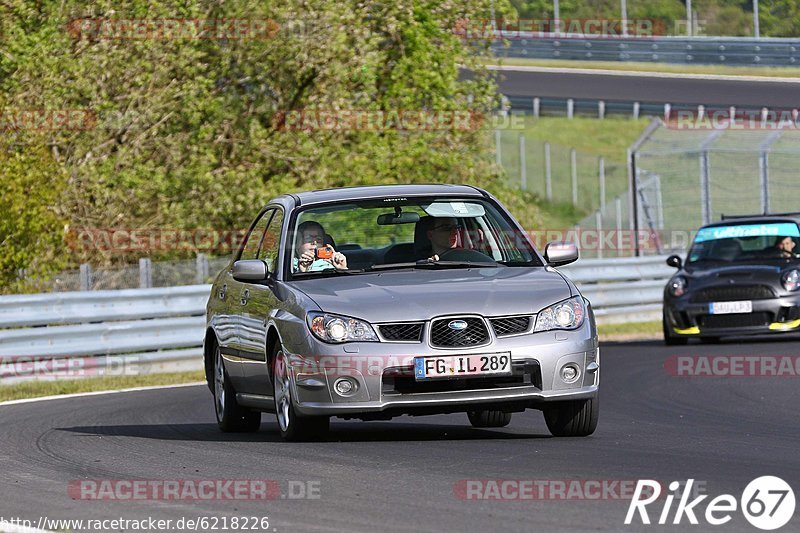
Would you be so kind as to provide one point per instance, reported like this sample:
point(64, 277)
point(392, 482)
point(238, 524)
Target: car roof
point(756, 219)
point(384, 191)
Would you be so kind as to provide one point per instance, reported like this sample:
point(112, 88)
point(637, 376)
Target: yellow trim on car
point(694, 330)
point(784, 325)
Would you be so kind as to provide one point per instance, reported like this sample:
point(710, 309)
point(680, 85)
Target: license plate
point(725, 308)
point(457, 366)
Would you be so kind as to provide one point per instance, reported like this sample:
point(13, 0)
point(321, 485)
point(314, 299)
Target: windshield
point(745, 242)
point(401, 233)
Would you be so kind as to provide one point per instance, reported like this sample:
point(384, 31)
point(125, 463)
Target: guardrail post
point(667, 111)
point(636, 111)
point(145, 273)
point(574, 167)
point(536, 107)
point(548, 175)
point(601, 176)
point(570, 108)
point(86, 277)
point(497, 155)
point(202, 269)
point(523, 171)
point(601, 109)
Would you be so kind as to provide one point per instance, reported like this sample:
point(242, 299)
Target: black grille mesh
point(402, 332)
point(733, 293)
point(734, 320)
point(443, 335)
point(510, 325)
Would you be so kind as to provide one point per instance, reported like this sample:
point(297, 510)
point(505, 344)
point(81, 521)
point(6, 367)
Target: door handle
point(222, 291)
point(245, 296)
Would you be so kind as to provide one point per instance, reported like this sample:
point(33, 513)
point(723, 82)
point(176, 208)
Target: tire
point(231, 417)
point(292, 426)
point(710, 340)
point(669, 338)
point(574, 418)
point(489, 419)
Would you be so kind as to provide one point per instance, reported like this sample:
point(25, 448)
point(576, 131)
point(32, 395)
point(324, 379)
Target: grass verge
point(35, 389)
point(630, 331)
point(723, 70)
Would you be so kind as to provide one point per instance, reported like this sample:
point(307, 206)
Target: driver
point(784, 246)
point(445, 234)
point(310, 236)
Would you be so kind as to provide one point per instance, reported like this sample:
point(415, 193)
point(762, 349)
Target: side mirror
point(558, 253)
point(675, 261)
point(250, 270)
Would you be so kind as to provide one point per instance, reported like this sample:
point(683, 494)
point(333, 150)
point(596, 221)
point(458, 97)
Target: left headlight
point(568, 314)
point(791, 280)
point(336, 328)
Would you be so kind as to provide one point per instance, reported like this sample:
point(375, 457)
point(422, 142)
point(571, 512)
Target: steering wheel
point(461, 254)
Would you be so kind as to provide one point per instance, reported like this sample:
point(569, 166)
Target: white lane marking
point(97, 393)
point(643, 74)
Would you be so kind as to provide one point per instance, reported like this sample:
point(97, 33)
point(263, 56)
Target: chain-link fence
point(201, 269)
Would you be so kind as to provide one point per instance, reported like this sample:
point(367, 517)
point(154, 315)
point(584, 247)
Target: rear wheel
point(669, 338)
point(489, 418)
point(231, 417)
point(293, 427)
point(574, 418)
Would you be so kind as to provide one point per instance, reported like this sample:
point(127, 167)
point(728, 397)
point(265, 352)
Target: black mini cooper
point(741, 277)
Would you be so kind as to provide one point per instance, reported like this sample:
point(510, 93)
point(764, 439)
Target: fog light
point(570, 373)
point(344, 387)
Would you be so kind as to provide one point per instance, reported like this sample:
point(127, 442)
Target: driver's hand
point(305, 260)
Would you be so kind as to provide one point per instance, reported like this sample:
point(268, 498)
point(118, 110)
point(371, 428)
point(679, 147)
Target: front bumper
point(775, 315)
point(386, 387)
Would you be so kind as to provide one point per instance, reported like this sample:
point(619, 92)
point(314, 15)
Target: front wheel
point(669, 338)
point(292, 426)
point(573, 418)
point(231, 417)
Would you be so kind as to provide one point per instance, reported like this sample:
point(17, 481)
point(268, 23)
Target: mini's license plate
point(457, 366)
point(725, 308)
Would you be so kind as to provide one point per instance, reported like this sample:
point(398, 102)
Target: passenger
point(310, 237)
point(784, 247)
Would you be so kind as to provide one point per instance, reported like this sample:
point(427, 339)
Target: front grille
point(474, 334)
point(511, 325)
point(735, 320)
point(402, 332)
point(402, 381)
point(733, 293)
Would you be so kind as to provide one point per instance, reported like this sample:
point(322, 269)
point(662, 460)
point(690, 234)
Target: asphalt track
point(643, 88)
point(400, 475)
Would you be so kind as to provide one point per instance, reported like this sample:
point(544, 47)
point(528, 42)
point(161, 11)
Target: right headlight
point(677, 286)
point(568, 314)
point(791, 280)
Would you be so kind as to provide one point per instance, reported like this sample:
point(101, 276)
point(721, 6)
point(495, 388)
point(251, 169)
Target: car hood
point(409, 295)
point(737, 274)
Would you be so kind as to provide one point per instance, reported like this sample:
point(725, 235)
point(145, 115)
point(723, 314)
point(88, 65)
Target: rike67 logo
point(767, 503)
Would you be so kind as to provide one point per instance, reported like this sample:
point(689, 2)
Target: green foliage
point(187, 132)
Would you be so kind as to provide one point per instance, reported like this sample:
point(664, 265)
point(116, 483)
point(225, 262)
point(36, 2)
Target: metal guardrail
point(82, 334)
point(742, 51)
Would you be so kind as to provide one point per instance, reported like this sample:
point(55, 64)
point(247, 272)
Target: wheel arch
point(209, 344)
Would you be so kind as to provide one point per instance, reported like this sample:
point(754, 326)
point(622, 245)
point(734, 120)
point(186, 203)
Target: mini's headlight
point(335, 328)
point(677, 286)
point(568, 314)
point(791, 280)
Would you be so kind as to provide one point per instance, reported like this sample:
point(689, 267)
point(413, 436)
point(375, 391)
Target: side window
point(253, 240)
point(271, 242)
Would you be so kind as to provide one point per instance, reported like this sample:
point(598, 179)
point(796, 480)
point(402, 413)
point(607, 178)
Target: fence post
point(145, 273)
point(602, 177)
point(548, 175)
point(705, 200)
point(598, 218)
point(574, 167)
point(536, 107)
point(86, 277)
point(523, 171)
point(618, 218)
point(636, 111)
point(570, 107)
point(601, 109)
point(497, 155)
point(667, 111)
point(202, 268)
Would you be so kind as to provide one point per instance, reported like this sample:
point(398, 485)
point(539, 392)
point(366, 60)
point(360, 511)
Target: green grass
point(591, 138)
point(771, 72)
point(632, 328)
point(34, 389)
